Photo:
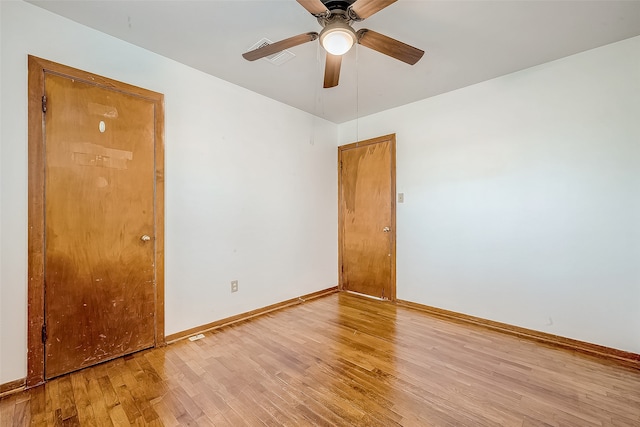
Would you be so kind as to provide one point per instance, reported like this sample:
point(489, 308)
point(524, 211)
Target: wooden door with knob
point(366, 194)
point(100, 220)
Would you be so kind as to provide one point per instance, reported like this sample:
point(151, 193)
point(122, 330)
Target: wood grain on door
point(367, 217)
point(99, 224)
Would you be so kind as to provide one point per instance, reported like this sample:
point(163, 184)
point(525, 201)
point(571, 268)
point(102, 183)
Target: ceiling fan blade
point(391, 47)
point(332, 70)
point(366, 8)
point(314, 7)
point(276, 47)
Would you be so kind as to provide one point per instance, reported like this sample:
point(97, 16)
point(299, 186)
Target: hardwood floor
point(340, 360)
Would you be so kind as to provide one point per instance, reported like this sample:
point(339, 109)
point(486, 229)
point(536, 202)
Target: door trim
point(37, 67)
point(391, 138)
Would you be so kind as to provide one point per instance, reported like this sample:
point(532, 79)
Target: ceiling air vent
point(277, 58)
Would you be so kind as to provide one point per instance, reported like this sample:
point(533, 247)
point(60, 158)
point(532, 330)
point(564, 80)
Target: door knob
point(145, 238)
point(386, 229)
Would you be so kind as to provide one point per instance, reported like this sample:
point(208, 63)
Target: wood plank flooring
point(340, 360)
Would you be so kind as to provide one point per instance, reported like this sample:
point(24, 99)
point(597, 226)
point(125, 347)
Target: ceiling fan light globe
point(337, 41)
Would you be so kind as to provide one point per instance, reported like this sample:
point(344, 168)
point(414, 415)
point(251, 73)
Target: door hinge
point(44, 103)
point(44, 333)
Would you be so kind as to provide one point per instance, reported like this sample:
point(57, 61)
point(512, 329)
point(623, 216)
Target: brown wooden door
point(99, 224)
point(367, 217)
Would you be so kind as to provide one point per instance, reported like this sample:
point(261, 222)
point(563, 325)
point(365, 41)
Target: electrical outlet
point(234, 286)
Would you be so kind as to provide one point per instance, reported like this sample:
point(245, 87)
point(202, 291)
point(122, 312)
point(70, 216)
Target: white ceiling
point(466, 42)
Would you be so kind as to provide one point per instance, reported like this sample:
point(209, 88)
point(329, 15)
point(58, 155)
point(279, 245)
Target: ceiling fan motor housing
point(337, 4)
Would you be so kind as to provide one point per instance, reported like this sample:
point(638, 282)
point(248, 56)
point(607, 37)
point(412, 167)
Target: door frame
point(391, 138)
point(37, 67)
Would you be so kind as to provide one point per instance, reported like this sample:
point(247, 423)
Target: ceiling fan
point(337, 35)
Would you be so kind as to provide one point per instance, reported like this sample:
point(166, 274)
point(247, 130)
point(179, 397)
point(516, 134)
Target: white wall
point(522, 197)
point(250, 183)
